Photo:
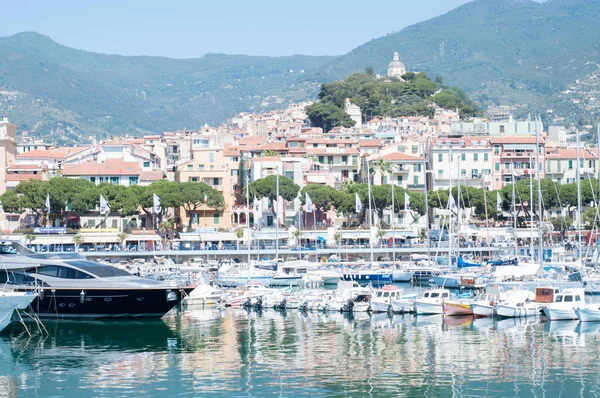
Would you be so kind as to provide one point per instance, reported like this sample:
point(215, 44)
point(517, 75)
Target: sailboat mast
point(538, 167)
point(426, 206)
point(370, 210)
point(277, 216)
point(578, 177)
point(514, 206)
point(531, 209)
point(392, 225)
point(248, 215)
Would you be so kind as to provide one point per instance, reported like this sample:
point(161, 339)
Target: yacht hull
point(402, 306)
point(97, 303)
point(375, 278)
point(402, 276)
point(286, 280)
point(9, 302)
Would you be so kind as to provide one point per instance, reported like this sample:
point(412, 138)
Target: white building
point(354, 112)
point(396, 68)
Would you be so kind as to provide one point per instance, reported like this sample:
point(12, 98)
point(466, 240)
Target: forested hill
point(412, 95)
point(517, 52)
point(68, 94)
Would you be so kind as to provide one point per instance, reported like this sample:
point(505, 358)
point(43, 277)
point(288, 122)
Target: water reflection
point(269, 353)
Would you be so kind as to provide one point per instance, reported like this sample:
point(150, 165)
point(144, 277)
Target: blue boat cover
point(463, 264)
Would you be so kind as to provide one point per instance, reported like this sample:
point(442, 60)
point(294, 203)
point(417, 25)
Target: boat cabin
point(545, 294)
point(434, 294)
point(570, 296)
point(387, 293)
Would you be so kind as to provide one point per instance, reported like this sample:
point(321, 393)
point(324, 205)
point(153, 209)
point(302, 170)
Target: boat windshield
point(97, 269)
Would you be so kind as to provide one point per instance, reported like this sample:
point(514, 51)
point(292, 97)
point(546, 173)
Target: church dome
point(396, 63)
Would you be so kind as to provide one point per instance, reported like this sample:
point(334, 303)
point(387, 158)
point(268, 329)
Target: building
point(8, 149)
point(396, 68)
point(561, 164)
point(408, 172)
point(514, 157)
point(557, 135)
point(220, 170)
point(464, 159)
point(497, 129)
point(112, 171)
point(354, 112)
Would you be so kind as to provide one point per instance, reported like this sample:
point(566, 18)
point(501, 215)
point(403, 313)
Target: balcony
point(415, 186)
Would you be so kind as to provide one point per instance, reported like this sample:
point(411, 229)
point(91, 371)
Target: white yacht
point(11, 302)
point(483, 305)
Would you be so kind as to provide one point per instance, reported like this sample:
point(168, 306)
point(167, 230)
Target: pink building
point(515, 156)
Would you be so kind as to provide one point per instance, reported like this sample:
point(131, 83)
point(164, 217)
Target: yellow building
point(8, 149)
point(220, 169)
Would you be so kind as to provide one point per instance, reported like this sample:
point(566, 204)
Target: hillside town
point(416, 154)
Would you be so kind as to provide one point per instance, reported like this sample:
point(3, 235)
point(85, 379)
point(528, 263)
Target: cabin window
point(445, 295)
point(435, 295)
point(60, 272)
point(577, 298)
point(568, 299)
point(386, 294)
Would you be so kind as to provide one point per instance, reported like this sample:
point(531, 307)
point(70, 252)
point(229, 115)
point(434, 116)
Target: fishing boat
point(483, 305)
point(431, 302)
point(382, 299)
point(204, 294)
point(69, 286)
point(564, 305)
point(589, 313)
point(404, 304)
point(518, 303)
point(461, 305)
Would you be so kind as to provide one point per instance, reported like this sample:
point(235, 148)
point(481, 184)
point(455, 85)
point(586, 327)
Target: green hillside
point(49, 89)
point(516, 52)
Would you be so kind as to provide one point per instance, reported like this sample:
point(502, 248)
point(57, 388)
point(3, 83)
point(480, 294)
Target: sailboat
point(373, 275)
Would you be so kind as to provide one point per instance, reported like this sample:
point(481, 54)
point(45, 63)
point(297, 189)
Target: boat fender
point(41, 294)
point(82, 297)
point(194, 275)
point(491, 302)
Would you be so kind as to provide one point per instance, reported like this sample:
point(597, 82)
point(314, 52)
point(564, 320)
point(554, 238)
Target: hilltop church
point(396, 68)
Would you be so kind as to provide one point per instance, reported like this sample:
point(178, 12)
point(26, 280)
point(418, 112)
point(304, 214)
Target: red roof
point(515, 140)
point(371, 143)
point(112, 167)
point(23, 177)
point(570, 154)
point(151, 175)
point(399, 156)
point(41, 153)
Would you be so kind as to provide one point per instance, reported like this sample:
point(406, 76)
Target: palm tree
point(384, 166)
point(30, 238)
point(297, 235)
point(77, 239)
point(270, 153)
point(380, 235)
point(121, 237)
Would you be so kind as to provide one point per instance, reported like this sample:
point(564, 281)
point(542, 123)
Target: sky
point(192, 28)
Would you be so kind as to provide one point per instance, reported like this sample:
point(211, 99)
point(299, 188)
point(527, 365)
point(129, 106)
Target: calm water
point(208, 352)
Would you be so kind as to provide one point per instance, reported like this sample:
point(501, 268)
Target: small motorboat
point(519, 303)
point(432, 302)
point(382, 300)
point(589, 313)
point(565, 303)
point(404, 304)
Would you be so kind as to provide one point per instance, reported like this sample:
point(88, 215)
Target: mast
point(539, 191)
point(514, 206)
point(392, 224)
point(248, 215)
point(370, 211)
point(426, 207)
point(277, 217)
point(450, 208)
point(531, 210)
point(578, 177)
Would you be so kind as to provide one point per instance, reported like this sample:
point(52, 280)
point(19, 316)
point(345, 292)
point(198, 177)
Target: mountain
point(51, 90)
point(514, 52)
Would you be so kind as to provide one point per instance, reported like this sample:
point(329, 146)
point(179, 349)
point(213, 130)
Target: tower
point(8, 145)
point(396, 68)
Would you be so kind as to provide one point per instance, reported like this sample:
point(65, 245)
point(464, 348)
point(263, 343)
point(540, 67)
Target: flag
point(358, 203)
point(406, 202)
point(48, 202)
point(1, 208)
point(309, 204)
point(451, 203)
point(205, 198)
point(498, 202)
point(156, 204)
point(103, 205)
point(256, 204)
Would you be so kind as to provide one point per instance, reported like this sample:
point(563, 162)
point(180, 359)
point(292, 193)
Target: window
point(133, 180)
point(193, 179)
point(216, 218)
point(507, 165)
point(146, 164)
point(497, 167)
point(485, 157)
point(98, 269)
point(321, 159)
point(440, 157)
point(211, 157)
point(475, 157)
point(440, 173)
point(502, 129)
point(496, 149)
point(415, 148)
point(401, 148)
point(315, 145)
point(289, 174)
point(344, 159)
point(190, 167)
point(215, 181)
point(201, 167)
point(415, 181)
point(114, 180)
point(93, 179)
point(570, 165)
point(235, 172)
point(399, 179)
point(463, 156)
point(384, 180)
point(329, 159)
point(292, 144)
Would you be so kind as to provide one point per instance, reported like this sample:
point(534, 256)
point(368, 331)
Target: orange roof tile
point(23, 177)
point(151, 175)
point(41, 153)
point(370, 142)
point(112, 167)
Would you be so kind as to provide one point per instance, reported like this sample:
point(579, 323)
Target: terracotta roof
point(25, 167)
point(515, 140)
point(570, 154)
point(231, 151)
point(151, 137)
point(151, 175)
point(23, 177)
point(112, 167)
point(372, 142)
point(267, 159)
point(41, 153)
point(399, 156)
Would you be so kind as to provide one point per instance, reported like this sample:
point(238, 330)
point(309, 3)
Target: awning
point(141, 238)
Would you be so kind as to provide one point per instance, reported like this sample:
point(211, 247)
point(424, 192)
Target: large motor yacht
point(69, 286)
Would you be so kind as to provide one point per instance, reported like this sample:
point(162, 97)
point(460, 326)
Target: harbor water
point(249, 353)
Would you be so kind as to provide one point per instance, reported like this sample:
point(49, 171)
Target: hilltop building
point(396, 68)
point(354, 112)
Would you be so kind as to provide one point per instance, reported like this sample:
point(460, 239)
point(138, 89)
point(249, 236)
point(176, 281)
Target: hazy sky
point(191, 28)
